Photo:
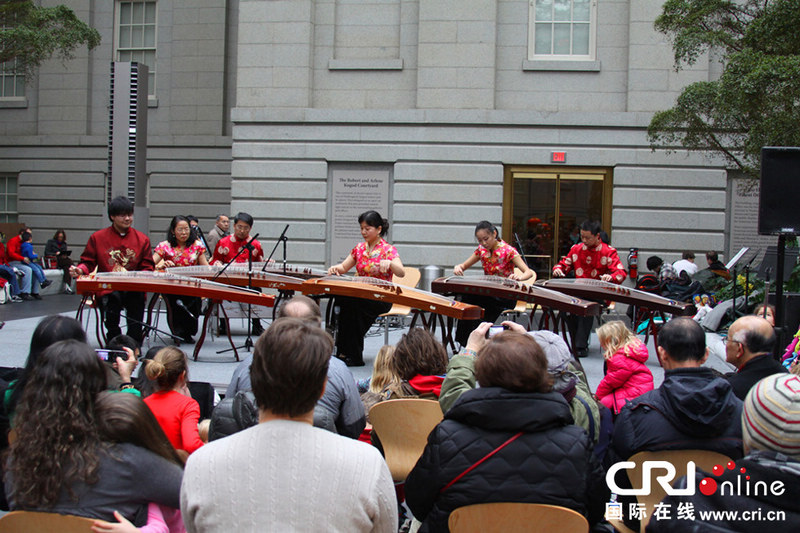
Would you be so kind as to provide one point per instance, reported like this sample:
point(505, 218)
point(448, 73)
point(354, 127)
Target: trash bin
point(429, 273)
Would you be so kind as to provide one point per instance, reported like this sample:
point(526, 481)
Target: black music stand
point(281, 294)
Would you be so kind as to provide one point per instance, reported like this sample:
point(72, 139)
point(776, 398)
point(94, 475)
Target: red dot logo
point(742, 470)
point(717, 470)
point(731, 465)
point(708, 486)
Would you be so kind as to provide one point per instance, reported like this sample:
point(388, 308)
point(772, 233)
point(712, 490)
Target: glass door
point(544, 209)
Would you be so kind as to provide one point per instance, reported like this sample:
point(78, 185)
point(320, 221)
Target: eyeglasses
point(240, 227)
point(182, 230)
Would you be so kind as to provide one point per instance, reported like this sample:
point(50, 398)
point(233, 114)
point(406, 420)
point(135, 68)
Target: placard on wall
point(354, 189)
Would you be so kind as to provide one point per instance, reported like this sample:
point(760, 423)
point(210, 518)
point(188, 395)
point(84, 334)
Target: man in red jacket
point(118, 248)
point(29, 286)
point(593, 259)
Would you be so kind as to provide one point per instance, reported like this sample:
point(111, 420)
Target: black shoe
point(26, 296)
point(187, 340)
point(257, 329)
point(36, 296)
point(46, 283)
point(581, 352)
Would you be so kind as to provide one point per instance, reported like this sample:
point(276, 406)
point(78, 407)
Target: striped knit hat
point(771, 415)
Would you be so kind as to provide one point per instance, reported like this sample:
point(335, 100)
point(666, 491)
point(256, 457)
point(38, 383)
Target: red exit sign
point(558, 157)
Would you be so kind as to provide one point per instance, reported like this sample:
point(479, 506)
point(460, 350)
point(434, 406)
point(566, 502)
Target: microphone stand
point(282, 239)
point(248, 343)
point(147, 328)
point(521, 252)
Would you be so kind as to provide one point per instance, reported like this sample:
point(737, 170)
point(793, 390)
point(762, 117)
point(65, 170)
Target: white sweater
point(287, 476)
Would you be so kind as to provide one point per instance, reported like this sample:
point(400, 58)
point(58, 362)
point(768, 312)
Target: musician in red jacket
point(592, 259)
point(118, 248)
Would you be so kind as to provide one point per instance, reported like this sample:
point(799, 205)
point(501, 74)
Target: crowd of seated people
point(520, 425)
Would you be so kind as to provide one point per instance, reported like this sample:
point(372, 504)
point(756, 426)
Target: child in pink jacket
point(627, 376)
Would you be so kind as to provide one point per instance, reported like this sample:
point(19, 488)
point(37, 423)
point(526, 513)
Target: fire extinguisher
point(633, 264)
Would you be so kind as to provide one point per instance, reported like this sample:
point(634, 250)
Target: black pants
point(111, 306)
point(492, 308)
point(580, 327)
point(355, 317)
point(181, 322)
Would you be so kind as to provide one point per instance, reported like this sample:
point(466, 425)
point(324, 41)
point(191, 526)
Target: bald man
point(749, 346)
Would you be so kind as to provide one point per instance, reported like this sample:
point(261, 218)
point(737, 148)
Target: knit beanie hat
point(771, 415)
point(554, 347)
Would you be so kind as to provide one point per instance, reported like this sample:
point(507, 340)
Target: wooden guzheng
point(595, 289)
point(386, 291)
point(167, 283)
point(295, 271)
point(499, 287)
point(239, 276)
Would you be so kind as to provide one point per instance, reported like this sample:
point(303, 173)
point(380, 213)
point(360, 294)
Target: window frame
point(592, 52)
point(5, 213)
point(152, 84)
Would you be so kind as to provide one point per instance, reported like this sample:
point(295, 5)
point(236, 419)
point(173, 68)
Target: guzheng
point(499, 287)
point(239, 275)
point(386, 291)
point(167, 283)
point(295, 271)
point(595, 289)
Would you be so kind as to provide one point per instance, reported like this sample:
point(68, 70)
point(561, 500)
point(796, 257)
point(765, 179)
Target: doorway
point(544, 209)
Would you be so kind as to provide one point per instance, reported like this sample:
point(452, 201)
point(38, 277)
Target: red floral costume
point(497, 262)
point(592, 262)
point(369, 264)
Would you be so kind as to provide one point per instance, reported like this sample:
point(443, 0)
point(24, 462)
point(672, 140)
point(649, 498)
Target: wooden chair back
point(411, 279)
point(703, 459)
point(403, 426)
point(516, 518)
point(28, 521)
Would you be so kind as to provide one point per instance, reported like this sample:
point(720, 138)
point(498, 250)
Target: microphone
point(182, 305)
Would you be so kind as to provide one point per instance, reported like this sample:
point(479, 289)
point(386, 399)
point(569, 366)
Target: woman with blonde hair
point(174, 408)
point(627, 376)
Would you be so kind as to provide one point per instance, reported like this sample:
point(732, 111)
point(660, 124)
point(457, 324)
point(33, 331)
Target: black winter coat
point(551, 462)
point(752, 372)
point(692, 409)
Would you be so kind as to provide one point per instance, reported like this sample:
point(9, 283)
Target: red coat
point(627, 377)
point(14, 249)
point(109, 251)
point(228, 247)
point(178, 416)
point(593, 263)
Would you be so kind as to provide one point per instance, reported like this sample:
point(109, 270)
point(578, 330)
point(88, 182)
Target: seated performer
point(229, 246)
point(590, 259)
point(118, 248)
point(498, 259)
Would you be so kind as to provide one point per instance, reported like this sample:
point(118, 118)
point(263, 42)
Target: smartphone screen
point(110, 356)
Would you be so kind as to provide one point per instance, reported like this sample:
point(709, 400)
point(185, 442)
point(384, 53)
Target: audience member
point(767, 312)
point(340, 409)
point(772, 446)
point(29, 286)
point(627, 375)
point(122, 418)
point(716, 266)
point(284, 473)
point(521, 428)
point(141, 383)
point(567, 379)
point(692, 409)
point(57, 247)
point(686, 264)
point(121, 371)
point(748, 347)
point(383, 382)
point(26, 248)
point(118, 248)
point(420, 361)
point(7, 273)
point(172, 404)
point(59, 463)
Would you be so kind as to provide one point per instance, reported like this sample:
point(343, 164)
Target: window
point(562, 29)
point(8, 198)
point(136, 36)
point(12, 83)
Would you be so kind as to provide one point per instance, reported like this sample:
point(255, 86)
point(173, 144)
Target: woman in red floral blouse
point(182, 248)
point(498, 259)
point(374, 258)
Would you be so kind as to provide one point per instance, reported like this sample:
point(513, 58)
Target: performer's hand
point(385, 265)
point(335, 270)
point(605, 277)
point(75, 271)
point(557, 273)
point(458, 270)
point(514, 276)
point(477, 339)
point(217, 263)
point(169, 263)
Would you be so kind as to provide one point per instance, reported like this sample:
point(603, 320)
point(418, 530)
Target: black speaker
point(778, 211)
